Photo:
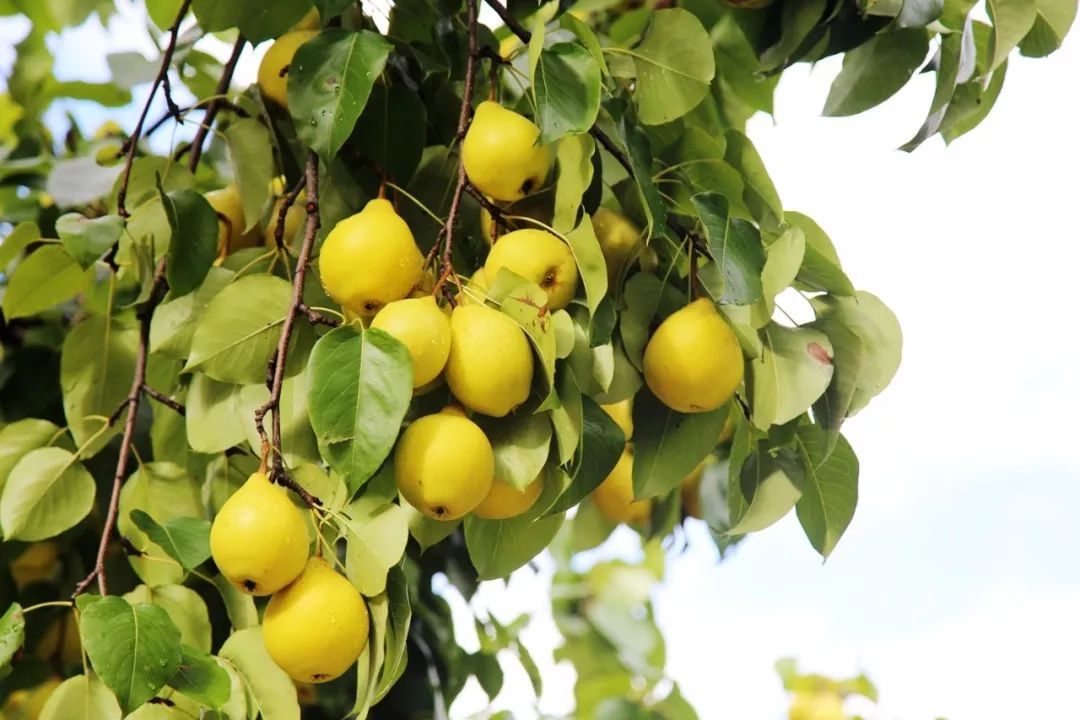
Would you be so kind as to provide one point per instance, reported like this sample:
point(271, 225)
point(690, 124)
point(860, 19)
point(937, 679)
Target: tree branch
point(279, 226)
point(510, 21)
point(164, 400)
point(133, 141)
point(277, 364)
point(215, 104)
point(463, 123)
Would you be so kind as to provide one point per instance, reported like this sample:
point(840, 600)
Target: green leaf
point(797, 22)
point(574, 156)
point(134, 649)
point(521, 444)
point(47, 492)
point(669, 445)
point(87, 239)
point(587, 37)
point(792, 372)
point(499, 547)
point(1052, 23)
point(759, 193)
point(1012, 19)
point(200, 678)
point(674, 65)
point(360, 384)
point(24, 233)
point(637, 147)
point(783, 258)
point(272, 691)
point(956, 63)
point(772, 493)
point(19, 438)
point(240, 329)
point(399, 617)
point(174, 322)
point(820, 268)
point(185, 607)
point(375, 539)
point(212, 415)
point(590, 262)
point(831, 489)
point(193, 246)
point(701, 157)
point(971, 104)
point(257, 20)
point(298, 443)
point(165, 492)
point(392, 130)
point(876, 70)
point(602, 443)
point(47, 277)
point(330, 79)
point(97, 363)
point(81, 697)
point(185, 539)
point(427, 531)
point(252, 156)
point(526, 304)
point(566, 88)
point(734, 276)
point(106, 94)
point(12, 633)
point(239, 607)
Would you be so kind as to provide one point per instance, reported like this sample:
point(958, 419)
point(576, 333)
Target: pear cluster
point(234, 232)
point(316, 623)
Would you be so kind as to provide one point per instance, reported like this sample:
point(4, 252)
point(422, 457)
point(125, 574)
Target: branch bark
point(277, 363)
point(215, 104)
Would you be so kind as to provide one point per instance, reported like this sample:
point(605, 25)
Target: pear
point(621, 413)
point(273, 74)
point(259, 539)
point(690, 490)
point(37, 563)
point(500, 154)
point(538, 206)
point(475, 290)
point(490, 367)
point(231, 223)
point(295, 220)
point(540, 257)
point(693, 362)
point(614, 497)
point(444, 465)
point(620, 241)
point(817, 706)
point(316, 628)
point(505, 501)
point(370, 259)
point(423, 329)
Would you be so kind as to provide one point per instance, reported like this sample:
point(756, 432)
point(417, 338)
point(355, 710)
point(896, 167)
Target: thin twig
point(215, 105)
point(510, 21)
point(290, 199)
point(133, 141)
point(317, 318)
point(164, 399)
point(138, 384)
point(497, 213)
point(204, 103)
point(463, 123)
point(276, 375)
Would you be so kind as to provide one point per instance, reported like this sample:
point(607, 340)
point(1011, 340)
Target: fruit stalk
point(277, 364)
point(215, 104)
point(463, 124)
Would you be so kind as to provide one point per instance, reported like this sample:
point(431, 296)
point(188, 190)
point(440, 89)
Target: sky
point(955, 588)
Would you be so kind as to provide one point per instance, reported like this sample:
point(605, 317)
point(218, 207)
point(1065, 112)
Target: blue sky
point(956, 587)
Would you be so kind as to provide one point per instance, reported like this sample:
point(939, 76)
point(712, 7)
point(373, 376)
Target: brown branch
point(510, 21)
point(138, 385)
point(290, 199)
point(315, 317)
point(276, 375)
point(224, 105)
point(133, 141)
point(497, 213)
point(215, 104)
point(463, 123)
point(164, 399)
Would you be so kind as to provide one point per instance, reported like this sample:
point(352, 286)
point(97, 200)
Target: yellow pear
point(500, 153)
point(690, 490)
point(61, 640)
point(506, 501)
point(620, 241)
point(444, 465)
point(422, 327)
point(370, 259)
point(693, 362)
point(295, 220)
point(490, 367)
point(259, 539)
point(27, 704)
point(816, 706)
point(728, 430)
point(316, 628)
point(540, 257)
point(231, 223)
point(310, 21)
point(274, 69)
point(538, 206)
point(615, 496)
point(475, 290)
point(621, 413)
point(35, 564)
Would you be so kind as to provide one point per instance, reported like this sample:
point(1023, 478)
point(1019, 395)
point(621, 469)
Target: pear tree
point(453, 289)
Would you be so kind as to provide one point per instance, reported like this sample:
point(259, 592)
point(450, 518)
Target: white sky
point(956, 587)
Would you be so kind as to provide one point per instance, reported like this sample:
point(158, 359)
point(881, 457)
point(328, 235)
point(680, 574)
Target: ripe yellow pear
point(540, 257)
point(693, 362)
point(231, 223)
point(316, 628)
point(444, 465)
point(310, 21)
point(36, 563)
point(422, 327)
point(475, 291)
point(259, 539)
point(370, 259)
point(27, 704)
point(620, 241)
point(615, 496)
point(690, 490)
point(490, 367)
point(816, 706)
point(295, 220)
point(500, 154)
point(505, 501)
point(621, 413)
point(539, 206)
point(274, 69)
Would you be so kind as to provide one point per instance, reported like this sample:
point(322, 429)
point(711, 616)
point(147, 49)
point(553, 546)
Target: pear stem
point(276, 367)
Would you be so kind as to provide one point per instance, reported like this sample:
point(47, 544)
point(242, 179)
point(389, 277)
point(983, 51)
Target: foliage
point(143, 344)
